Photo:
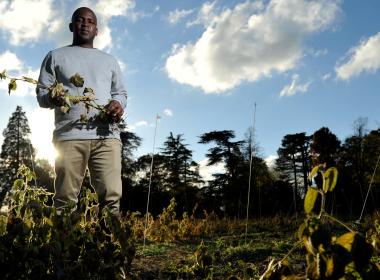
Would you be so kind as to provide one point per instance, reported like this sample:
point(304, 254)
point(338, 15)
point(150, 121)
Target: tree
point(182, 168)
point(353, 164)
point(372, 164)
point(45, 174)
point(293, 161)
point(261, 178)
point(183, 171)
point(226, 151)
point(229, 153)
point(130, 142)
point(160, 190)
point(325, 146)
point(358, 159)
point(16, 149)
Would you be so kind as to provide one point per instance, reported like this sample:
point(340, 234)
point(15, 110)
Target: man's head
point(84, 27)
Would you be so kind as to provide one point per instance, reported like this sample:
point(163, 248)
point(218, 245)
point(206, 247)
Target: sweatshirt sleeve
point(45, 80)
point(118, 91)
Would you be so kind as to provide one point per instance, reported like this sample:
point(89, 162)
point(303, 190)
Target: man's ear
point(71, 27)
point(96, 32)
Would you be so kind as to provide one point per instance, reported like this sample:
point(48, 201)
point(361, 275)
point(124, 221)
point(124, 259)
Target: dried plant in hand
point(60, 95)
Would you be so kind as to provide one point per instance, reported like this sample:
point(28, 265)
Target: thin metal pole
point(150, 183)
point(250, 172)
point(369, 188)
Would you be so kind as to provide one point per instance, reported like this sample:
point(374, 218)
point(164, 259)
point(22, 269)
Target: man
point(95, 144)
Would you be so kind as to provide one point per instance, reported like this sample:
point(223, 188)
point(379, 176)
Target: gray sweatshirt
point(101, 72)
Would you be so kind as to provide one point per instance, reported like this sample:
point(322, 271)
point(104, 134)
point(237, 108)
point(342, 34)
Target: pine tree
point(183, 171)
point(293, 162)
point(130, 142)
point(230, 154)
point(16, 149)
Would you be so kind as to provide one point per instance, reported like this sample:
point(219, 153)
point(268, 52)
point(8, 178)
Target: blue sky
point(202, 65)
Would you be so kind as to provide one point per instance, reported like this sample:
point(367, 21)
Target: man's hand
point(115, 111)
point(57, 102)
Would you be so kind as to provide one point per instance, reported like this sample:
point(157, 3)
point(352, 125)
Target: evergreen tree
point(45, 174)
point(229, 153)
point(183, 176)
point(372, 164)
point(293, 161)
point(358, 161)
point(160, 190)
point(261, 178)
point(16, 149)
point(225, 151)
point(130, 142)
point(182, 168)
point(325, 146)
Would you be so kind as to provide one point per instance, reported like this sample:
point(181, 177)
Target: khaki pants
point(103, 159)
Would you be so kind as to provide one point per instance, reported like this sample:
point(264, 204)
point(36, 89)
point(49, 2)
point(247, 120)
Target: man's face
point(84, 26)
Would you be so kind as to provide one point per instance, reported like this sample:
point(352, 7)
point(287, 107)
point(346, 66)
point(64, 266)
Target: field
point(37, 242)
point(225, 253)
point(212, 248)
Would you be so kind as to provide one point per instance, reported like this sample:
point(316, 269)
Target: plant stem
point(32, 81)
point(338, 221)
point(295, 246)
point(323, 202)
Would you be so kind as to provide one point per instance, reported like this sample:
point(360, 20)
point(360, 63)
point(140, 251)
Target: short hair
point(82, 8)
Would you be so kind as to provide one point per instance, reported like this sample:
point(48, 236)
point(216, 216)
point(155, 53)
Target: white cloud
point(137, 15)
point(294, 87)
point(168, 112)
point(105, 11)
point(10, 61)
point(248, 42)
point(326, 76)
point(363, 58)
point(318, 53)
point(176, 15)
point(133, 127)
point(271, 160)
point(25, 20)
point(24, 88)
point(111, 8)
point(41, 122)
point(141, 123)
point(103, 39)
point(122, 65)
point(205, 14)
point(16, 68)
point(206, 171)
point(126, 69)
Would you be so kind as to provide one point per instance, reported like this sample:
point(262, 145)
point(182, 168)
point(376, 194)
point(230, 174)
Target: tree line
point(173, 172)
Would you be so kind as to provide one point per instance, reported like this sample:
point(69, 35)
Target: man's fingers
point(115, 109)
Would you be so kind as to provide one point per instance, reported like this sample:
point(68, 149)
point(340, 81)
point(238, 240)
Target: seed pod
point(77, 80)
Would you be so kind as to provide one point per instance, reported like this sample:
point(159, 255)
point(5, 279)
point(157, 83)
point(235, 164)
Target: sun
point(41, 122)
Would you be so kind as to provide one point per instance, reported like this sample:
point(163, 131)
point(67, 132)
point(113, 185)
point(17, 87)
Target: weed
point(42, 244)
point(348, 256)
